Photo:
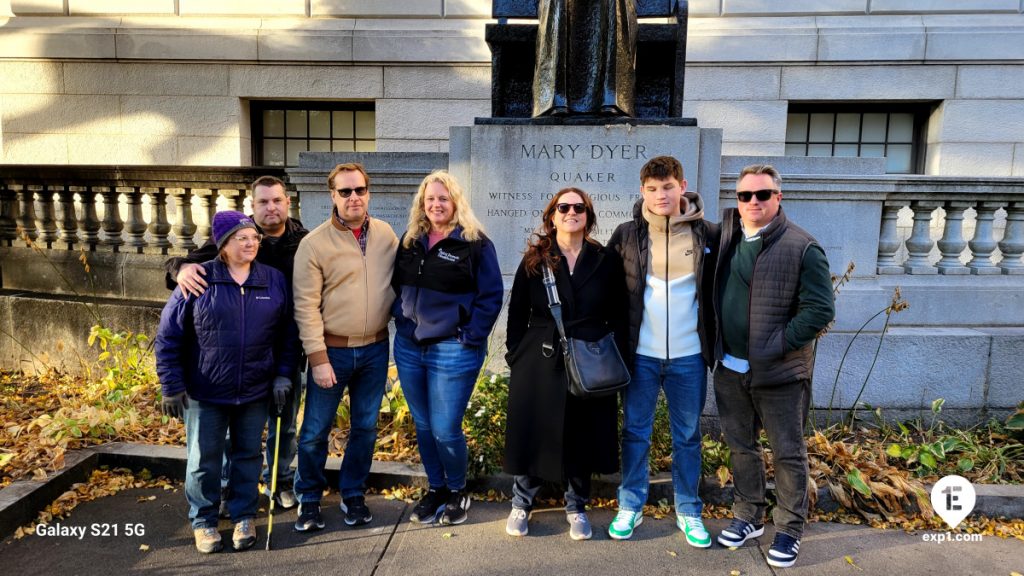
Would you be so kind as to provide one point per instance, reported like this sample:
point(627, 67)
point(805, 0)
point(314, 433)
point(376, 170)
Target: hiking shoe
point(245, 535)
point(207, 540)
point(456, 508)
point(428, 508)
point(783, 551)
point(283, 499)
point(579, 526)
point(624, 523)
point(693, 527)
point(356, 512)
point(309, 517)
point(738, 532)
point(518, 523)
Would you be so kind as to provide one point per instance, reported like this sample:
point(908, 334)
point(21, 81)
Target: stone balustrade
point(993, 220)
point(104, 208)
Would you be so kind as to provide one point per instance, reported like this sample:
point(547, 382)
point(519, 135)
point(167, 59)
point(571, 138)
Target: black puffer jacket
point(631, 241)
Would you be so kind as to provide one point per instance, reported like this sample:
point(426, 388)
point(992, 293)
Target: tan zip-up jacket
point(343, 298)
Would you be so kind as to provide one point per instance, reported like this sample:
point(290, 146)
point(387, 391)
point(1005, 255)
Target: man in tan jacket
point(343, 296)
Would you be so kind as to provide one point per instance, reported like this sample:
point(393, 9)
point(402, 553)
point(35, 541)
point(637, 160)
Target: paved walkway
point(391, 546)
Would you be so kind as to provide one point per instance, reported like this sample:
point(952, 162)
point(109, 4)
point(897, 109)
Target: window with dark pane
point(891, 131)
point(281, 130)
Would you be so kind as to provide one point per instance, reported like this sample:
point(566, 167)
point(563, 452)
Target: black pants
point(782, 411)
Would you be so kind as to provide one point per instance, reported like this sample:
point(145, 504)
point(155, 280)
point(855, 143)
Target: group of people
point(678, 293)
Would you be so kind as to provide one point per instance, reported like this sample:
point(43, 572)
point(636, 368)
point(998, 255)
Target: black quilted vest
point(774, 288)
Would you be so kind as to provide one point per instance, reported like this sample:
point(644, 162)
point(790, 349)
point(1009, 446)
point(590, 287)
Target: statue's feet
point(611, 110)
point(558, 111)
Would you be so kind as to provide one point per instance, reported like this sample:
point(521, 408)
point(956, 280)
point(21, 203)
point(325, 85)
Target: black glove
point(175, 406)
point(282, 386)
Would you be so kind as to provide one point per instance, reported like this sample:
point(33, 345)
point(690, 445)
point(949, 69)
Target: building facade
point(935, 86)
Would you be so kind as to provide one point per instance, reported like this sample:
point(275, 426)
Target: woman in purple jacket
point(219, 357)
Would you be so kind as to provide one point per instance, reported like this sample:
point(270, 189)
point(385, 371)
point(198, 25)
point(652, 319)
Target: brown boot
point(245, 534)
point(207, 540)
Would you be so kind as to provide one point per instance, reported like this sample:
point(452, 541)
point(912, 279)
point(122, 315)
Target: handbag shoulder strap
point(554, 304)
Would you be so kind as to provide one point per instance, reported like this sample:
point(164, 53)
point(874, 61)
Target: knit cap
point(227, 223)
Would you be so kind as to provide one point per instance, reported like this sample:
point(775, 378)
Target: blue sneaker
point(783, 551)
point(739, 532)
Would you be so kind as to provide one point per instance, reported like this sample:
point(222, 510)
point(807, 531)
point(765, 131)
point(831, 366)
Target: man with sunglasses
point(343, 302)
point(279, 239)
point(664, 251)
point(772, 296)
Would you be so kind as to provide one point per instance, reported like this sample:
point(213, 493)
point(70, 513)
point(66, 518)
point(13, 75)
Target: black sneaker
point(309, 517)
point(455, 509)
point(783, 551)
point(739, 532)
point(356, 512)
point(430, 506)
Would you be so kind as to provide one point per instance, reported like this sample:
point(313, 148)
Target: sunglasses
point(578, 208)
point(346, 192)
point(762, 195)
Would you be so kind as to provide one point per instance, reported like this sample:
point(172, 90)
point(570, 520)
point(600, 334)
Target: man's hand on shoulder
point(190, 279)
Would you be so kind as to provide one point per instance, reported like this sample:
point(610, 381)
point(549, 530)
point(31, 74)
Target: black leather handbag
point(593, 369)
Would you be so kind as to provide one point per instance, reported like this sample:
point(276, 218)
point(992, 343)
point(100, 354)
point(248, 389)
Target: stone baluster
point(68, 217)
point(47, 220)
point(207, 208)
point(27, 213)
point(920, 243)
point(89, 224)
point(952, 243)
point(984, 243)
point(159, 227)
point(112, 223)
point(184, 228)
point(293, 208)
point(8, 216)
point(889, 240)
point(136, 225)
point(1012, 244)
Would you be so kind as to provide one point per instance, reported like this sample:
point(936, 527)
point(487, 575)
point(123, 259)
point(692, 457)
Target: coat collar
point(217, 272)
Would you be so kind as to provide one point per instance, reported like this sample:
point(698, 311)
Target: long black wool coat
point(550, 433)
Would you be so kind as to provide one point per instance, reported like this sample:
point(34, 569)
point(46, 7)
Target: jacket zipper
point(241, 350)
point(668, 237)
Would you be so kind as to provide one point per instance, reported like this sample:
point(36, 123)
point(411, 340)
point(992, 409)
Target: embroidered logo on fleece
point(447, 256)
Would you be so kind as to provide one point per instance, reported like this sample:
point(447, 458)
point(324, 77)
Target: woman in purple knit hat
point(220, 357)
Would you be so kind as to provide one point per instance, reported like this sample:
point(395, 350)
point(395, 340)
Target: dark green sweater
point(814, 294)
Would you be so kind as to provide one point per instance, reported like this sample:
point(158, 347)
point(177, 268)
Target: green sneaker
point(624, 523)
point(696, 535)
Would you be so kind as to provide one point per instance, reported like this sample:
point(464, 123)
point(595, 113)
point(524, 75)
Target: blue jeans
point(285, 474)
point(289, 418)
point(437, 380)
point(364, 371)
point(685, 383)
point(206, 425)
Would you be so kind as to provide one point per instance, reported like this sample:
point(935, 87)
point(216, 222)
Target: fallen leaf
point(1015, 574)
point(144, 547)
point(849, 560)
point(447, 535)
point(146, 498)
point(671, 553)
point(734, 573)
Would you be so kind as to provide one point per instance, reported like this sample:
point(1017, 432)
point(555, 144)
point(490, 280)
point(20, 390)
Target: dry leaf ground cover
point(877, 474)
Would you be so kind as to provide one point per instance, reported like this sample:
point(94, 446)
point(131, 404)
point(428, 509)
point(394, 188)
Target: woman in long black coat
point(552, 435)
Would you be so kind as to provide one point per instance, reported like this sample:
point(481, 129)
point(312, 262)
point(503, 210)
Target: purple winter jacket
point(227, 345)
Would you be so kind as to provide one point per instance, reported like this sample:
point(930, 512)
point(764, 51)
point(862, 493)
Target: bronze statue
point(586, 58)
